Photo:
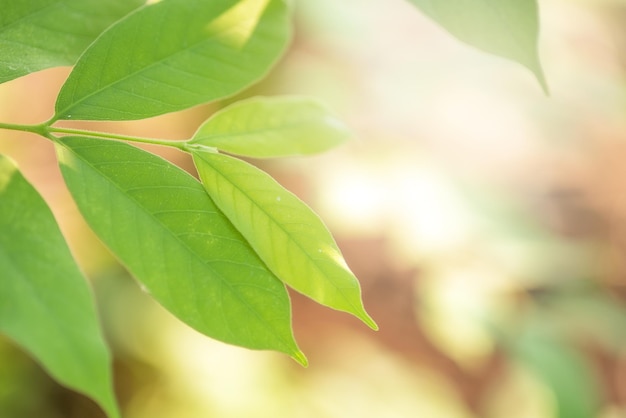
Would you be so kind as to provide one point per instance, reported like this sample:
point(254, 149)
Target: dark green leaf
point(272, 127)
point(508, 28)
point(159, 221)
point(45, 303)
point(39, 34)
point(289, 237)
point(173, 55)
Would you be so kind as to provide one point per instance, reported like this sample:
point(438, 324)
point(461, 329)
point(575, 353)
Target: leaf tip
point(300, 358)
point(109, 404)
point(366, 318)
point(369, 322)
point(541, 78)
point(535, 67)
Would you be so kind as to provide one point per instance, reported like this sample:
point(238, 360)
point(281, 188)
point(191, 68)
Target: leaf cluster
point(217, 253)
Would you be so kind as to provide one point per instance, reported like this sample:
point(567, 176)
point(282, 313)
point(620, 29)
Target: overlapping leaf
point(508, 28)
point(45, 303)
point(39, 34)
point(161, 224)
point(173, 55)
point(272, 127)
point(287, 235)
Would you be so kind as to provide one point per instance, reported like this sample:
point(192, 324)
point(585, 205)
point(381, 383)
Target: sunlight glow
point(236, 25)
point(354, 198)
point(412, 200)
point(456, 305)
point(431, 216)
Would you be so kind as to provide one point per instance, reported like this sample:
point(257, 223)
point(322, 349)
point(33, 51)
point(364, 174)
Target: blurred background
point(485, 220)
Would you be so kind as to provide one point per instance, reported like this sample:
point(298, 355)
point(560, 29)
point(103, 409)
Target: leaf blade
point(183, 53)
point(289, 237)
point(160, 223)
point(40, 34)
point(264, 127)
point(45, 303)
point(508, 28)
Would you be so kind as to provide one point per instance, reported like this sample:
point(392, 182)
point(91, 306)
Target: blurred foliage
point(485, 221)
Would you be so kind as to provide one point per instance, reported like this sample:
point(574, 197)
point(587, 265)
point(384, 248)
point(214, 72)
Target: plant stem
point(168, 143)
point(40, 129)
point(45, 130)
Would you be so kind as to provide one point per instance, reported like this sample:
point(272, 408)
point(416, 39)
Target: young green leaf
point(39, 34)
point(508, 28)
point(159, 221)
point(173, 55)
point(272, 127)
point(289, 237)
point(45, 303)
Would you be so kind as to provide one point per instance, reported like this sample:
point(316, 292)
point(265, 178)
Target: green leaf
point(289, 237)
point(159, 221)
point(272, 127)
point(508, 28)
point(46, 305)
point(563, 369)
point(40, 34)
point(173, 55)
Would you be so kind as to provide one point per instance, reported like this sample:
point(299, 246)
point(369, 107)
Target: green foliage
point(173, 55)
point(287, 235)
point(217, 254)
point(39, 34)
point(508, 28)
point(272, 127)
point(160, 223)
point(562, 368)
point(45, 303)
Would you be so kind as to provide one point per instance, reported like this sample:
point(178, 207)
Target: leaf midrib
point(220, 136)
point(152, 65)
point(288, 235)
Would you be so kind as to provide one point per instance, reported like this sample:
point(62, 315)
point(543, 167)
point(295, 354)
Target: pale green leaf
point(173, 55)
point(289, 237)
point(508, 28)
point(159, 221)
point(46, 305)
point(272, 127)
point(40, 34)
